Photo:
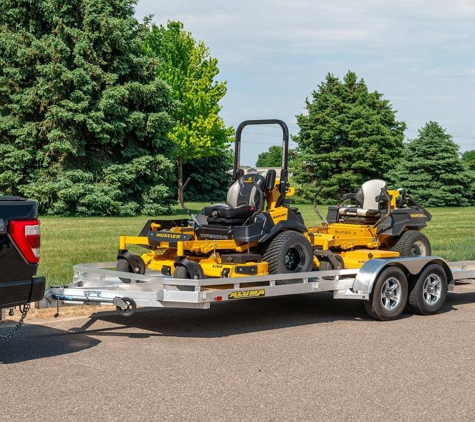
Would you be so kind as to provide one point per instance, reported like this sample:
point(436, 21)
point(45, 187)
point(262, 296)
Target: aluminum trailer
point(386, 286)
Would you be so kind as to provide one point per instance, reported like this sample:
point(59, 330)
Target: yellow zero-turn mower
point(381, 224)
point(256, 232)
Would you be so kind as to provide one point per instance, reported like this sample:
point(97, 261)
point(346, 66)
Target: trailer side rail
point(99, 283)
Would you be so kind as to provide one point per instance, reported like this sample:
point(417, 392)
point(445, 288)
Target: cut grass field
point(67, 241)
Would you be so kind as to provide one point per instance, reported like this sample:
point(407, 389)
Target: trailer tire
point(288, 252)
point(124, 265)
point(412, 243)
point(389, 296)
point(429, 292)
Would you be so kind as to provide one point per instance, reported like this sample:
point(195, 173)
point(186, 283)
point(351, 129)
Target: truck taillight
point(26, 235)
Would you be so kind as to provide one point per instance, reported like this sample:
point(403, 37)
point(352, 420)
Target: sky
point(420, 54)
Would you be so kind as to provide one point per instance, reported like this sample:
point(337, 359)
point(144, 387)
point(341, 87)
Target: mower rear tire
point(288, 252)
point(124, 266)
point(412, 243)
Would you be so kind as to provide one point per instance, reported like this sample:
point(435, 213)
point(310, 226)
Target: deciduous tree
point(189, 69)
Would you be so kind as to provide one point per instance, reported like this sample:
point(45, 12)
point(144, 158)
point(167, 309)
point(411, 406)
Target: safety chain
point(25, 310)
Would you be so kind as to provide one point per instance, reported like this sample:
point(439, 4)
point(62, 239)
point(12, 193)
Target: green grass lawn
point(67, 241)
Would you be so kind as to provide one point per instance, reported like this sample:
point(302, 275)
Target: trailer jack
point(125, 306)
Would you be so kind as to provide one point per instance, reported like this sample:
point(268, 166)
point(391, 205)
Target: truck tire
point(124, 266)
point(389, 296)
point(412, 243)
point(429, 292)
point(288, 252)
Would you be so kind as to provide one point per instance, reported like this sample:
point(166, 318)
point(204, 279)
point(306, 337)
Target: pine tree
point(468, 157)
point(83, 119)
point(209, 176)
point(348, 136)
point(432, 171)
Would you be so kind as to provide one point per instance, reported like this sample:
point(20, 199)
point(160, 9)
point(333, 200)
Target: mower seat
point(243, 200)
point(367, 206)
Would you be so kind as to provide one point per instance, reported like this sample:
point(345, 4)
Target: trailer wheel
point(288, 252)
point(412, 243)
point(389, 296)
point(130, 308)
point(430, 291)
point(124, 266)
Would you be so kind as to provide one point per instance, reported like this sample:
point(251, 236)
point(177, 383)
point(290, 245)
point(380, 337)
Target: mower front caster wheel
point(123, 265)
point(182, 272)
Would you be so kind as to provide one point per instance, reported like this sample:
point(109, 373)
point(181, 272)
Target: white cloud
point(273, 53)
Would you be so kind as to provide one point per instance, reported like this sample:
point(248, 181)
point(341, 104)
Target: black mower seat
point(242, 201)
point(365, 197)
point(225, 211)
point(358, 212)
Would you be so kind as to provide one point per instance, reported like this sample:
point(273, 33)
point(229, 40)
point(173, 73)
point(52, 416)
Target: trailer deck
point(99, 283)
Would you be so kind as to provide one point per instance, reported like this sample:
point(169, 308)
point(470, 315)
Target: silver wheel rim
point(432, 289)
point(391, 292)
point(418, 249)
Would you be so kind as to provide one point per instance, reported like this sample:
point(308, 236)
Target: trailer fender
point(291, 225)
point(370, 271)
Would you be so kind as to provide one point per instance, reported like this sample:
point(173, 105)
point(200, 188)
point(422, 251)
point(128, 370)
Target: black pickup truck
point(19, 252)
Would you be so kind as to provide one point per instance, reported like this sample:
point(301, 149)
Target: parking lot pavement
point(304, 357)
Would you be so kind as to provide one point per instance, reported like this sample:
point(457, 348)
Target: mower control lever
point(386, 198)
point(182, 203)
point(324, 220)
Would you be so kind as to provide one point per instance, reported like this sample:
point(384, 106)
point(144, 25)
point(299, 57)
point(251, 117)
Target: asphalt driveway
point(304, 357)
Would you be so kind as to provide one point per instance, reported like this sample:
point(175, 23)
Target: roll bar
point(284, 177)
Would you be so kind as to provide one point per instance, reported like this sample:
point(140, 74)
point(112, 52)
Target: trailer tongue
point(386, 286)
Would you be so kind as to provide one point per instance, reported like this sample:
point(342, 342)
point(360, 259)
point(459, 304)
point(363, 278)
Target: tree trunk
point(179, 165)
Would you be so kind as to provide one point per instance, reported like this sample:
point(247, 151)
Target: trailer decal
point(246, 294)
